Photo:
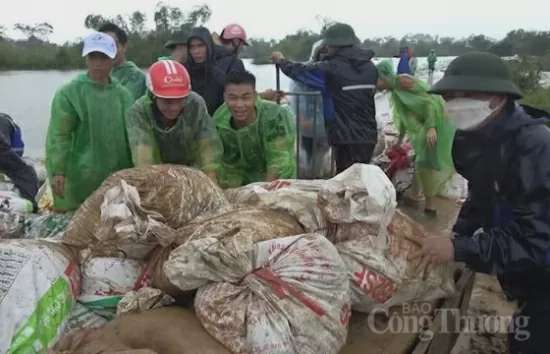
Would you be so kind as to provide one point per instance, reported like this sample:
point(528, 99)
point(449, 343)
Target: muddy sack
point(286, 295)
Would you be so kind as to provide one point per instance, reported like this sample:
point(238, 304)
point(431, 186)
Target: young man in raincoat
point(171, 123)
point(125, 71)
point(207, 78)
point(503, 228)
point(421, 117)
point(86, 140)
point(258, 136)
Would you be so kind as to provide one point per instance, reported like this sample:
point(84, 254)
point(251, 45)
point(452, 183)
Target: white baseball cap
point(99, 42)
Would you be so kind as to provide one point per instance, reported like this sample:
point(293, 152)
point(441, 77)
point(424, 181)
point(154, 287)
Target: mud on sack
point(286, 295)
point(254, 224)
point(136, 209)
point(362, 193)
point(381, 274)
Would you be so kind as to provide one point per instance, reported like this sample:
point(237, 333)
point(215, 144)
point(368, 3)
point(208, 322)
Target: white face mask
point(468, 113)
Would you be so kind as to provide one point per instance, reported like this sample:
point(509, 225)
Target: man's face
point(179, 53)
point(198, 50)
point(170, 107)
point(120, 49)
point(99, 66)
point(241, 100)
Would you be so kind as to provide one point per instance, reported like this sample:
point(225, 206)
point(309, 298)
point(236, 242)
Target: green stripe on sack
point(42, 327)
point(103, 306)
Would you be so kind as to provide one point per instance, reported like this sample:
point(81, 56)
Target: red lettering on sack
point(275, 185)
point(375, 285)
point(345, 315)
point(73, 274)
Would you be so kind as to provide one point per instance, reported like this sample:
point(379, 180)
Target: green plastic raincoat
point(86, 139)
point(414, 111)
point(264, 149)
point(131, 77)
point(192, 141)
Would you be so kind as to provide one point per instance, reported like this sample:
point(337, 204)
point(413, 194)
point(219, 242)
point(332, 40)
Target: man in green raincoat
point(125, 71)
point(258, 136)
point(171, 123)
point(86, 140)
point(420, 115)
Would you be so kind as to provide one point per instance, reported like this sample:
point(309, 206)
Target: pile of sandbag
point(39, 284)
point(252, 224)
point(362, 195)
point(137, 209)
point(286, 295)
point(356, 211)
point(270, 267)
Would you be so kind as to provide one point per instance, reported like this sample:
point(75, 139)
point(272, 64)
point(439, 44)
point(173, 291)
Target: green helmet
point(340, 35)
point(477, 72)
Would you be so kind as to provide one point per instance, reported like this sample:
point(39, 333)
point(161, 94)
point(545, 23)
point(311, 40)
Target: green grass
point(538, 98)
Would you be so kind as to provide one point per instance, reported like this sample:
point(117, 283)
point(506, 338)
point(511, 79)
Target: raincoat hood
point(355, 55)
point(203, 34)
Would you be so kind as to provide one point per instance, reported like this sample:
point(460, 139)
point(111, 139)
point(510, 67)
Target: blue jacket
point(507, 165)
point(315, 80)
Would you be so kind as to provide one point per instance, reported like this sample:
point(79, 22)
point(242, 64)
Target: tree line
point(146, 44)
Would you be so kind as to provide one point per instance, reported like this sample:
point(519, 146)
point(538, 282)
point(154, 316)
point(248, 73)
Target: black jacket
point(227, 61)
point(507, 165)
point(22, 175)
point(355, 119)
point(206, 79)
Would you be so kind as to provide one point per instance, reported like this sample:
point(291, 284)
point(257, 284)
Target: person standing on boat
point(351, 79)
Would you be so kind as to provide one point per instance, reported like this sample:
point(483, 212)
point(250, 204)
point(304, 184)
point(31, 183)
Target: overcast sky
point(275, 19)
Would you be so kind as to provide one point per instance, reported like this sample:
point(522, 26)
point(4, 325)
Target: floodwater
point(26, 96)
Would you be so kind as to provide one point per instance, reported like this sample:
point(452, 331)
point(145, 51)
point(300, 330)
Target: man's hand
point(58, 185)
point(431, 137)
point(276, 57)
point(433, 250)
point(272, 95)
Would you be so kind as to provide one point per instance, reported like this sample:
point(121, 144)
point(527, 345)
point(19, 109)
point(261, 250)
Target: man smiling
point(258, 136)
